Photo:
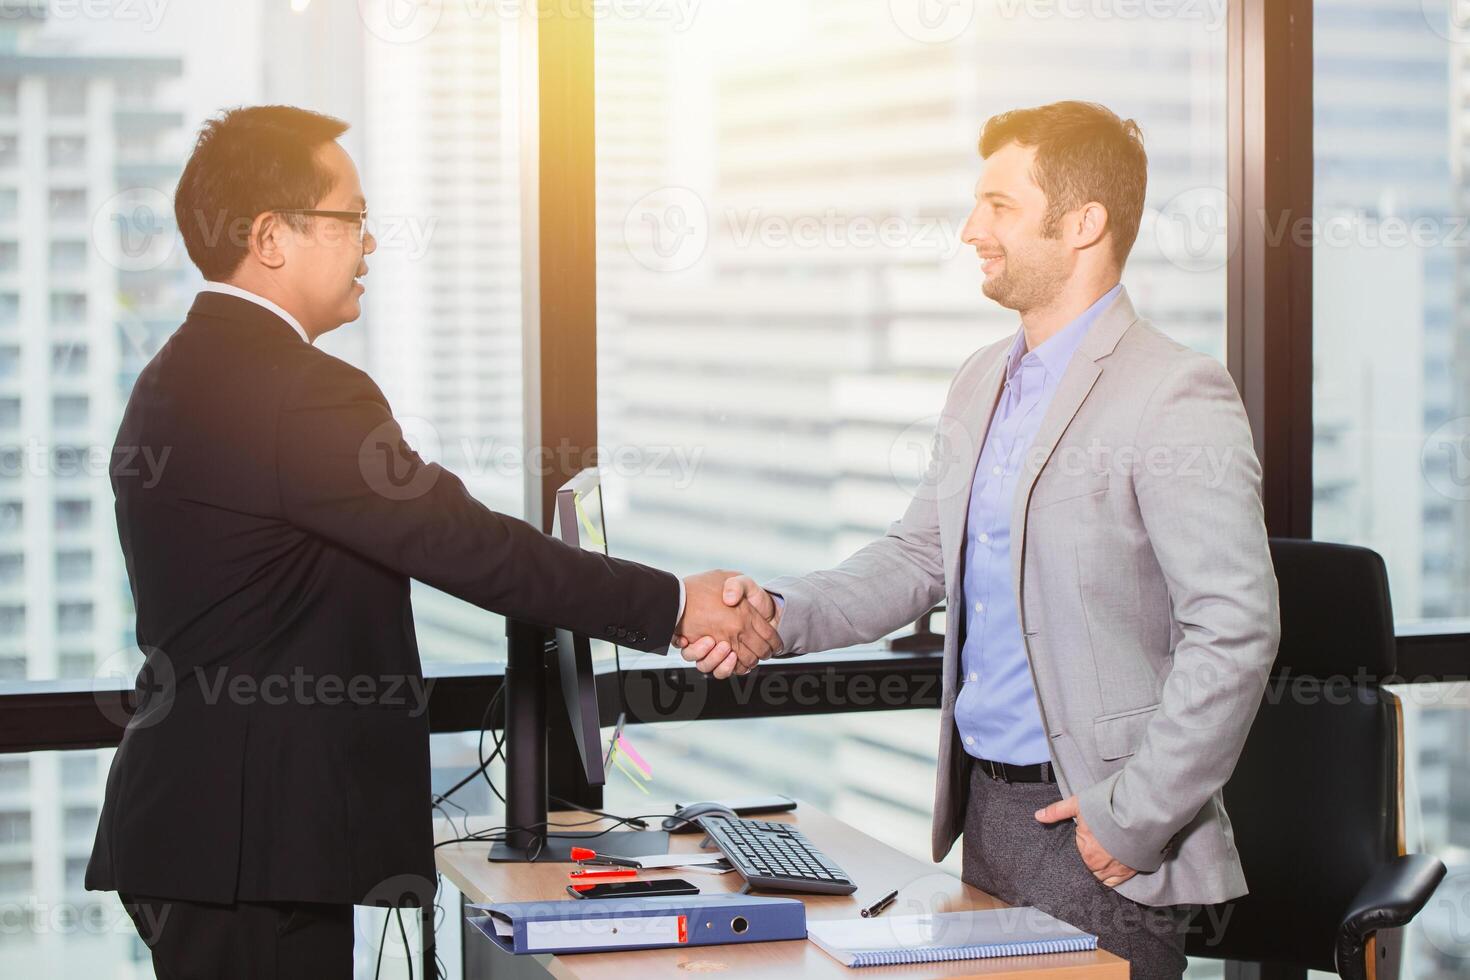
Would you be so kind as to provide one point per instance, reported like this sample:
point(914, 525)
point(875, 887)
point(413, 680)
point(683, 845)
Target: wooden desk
point(876, 867)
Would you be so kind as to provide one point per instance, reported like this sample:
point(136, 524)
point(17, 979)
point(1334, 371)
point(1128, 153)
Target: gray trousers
point(1010, 854)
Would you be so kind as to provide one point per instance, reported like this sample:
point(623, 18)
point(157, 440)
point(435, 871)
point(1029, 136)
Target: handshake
point(729, 623)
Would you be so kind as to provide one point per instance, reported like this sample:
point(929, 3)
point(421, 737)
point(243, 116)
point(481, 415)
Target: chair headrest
point(1336, 616)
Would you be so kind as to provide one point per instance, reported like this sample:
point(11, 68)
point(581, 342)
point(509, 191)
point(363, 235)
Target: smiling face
point(324, 258)
point(1026, 262)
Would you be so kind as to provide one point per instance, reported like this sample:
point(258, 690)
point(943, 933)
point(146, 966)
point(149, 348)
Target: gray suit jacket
point(1147, 599)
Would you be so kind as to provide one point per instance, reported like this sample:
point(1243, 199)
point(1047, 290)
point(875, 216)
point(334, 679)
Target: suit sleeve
point(346, 474)
point(891, 581)
point(1198, 486)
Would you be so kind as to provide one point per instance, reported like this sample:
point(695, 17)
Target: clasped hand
point(729, 623)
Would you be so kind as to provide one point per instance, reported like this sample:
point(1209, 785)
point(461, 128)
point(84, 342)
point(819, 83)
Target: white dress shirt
point(258, 300)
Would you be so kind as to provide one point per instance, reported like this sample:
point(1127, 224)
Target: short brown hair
point(248, 160)
point(1084, 152)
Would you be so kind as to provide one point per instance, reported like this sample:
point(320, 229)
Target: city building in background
point(83, 304)
point(782, 301)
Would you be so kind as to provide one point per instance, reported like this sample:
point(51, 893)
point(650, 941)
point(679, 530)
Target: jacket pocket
point(1118, 735)
point(1070, 488)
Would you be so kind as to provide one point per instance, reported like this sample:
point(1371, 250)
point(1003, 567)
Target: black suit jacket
point(277, 753)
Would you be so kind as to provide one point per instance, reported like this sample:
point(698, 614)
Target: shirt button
point(969, 739)
point(979, 607)
point(995, 471)
point(974, 677)
point(984, 538)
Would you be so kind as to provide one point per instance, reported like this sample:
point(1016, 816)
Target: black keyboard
point(776, 856)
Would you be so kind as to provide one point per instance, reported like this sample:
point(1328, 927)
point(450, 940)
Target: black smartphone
point(636, 889)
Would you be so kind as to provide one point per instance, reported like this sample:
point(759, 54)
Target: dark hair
point(248, 160)
point(1084, 152)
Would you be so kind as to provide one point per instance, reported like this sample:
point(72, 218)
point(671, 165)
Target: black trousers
point(244, 940)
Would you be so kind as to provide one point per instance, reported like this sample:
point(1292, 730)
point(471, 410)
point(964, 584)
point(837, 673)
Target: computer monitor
point(578, 521)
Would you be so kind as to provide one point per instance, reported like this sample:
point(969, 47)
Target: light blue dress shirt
point(996, 710)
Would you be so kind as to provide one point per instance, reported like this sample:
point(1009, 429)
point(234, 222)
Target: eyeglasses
point(358, 218)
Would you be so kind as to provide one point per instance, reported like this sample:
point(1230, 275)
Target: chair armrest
point(1388, 900)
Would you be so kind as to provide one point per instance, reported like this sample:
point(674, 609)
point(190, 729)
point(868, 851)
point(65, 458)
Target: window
point(66, 151)
point(9, 203)
point(783, 296)
point(9, 97)
point(9, 257)
point(1391, 392)
point(15, 878)
point(69, 360)
point(68, 204)
point(14, 775)
point(68, 256)
point(74, 617)
point(68, 410)
point(73, 566)
point(15, 828)
point(73, 515)
point(12, 568)
point(9, 304)
point(9, 150)
point(68, 309)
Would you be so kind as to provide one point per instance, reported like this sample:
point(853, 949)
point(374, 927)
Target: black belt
point(1040, 772)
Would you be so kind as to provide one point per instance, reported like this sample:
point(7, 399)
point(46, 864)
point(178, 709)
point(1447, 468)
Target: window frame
point(1268, 353)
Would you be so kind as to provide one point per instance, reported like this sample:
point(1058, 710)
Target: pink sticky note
point(632, 754)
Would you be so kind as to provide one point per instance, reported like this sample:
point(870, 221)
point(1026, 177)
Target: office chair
point(1317, 798)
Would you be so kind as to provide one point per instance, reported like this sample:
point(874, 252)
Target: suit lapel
point(1077, 383)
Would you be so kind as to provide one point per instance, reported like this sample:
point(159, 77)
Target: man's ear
point(267, 234)
point(1086, 226)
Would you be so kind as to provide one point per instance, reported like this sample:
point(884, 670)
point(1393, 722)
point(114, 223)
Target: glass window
point(53, 926)
point(68, 203)
point(1391, 366)
point(12, 620)
point(9, 257)
point(73, 566)
point(66, 151)
point(68, 256)
point(9, 306)
point(68, 309)
point(74, 617)
point(69, 360)
point(9, 96)
point(14, 775)
point(783, 296)
point(433, 131)
point(69, 410)
point(9, 203)
point(73, 515)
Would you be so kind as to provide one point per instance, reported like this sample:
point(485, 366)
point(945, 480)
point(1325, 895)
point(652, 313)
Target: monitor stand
point(525, 768)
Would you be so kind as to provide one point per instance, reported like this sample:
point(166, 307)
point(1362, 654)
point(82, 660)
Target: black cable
point(633, 822)
point(484, 762)
point(382, 941)
point(403, 933)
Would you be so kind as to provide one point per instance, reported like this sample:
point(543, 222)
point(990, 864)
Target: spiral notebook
point(890, 939)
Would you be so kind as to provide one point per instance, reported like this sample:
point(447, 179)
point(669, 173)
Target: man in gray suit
point(1092, 517)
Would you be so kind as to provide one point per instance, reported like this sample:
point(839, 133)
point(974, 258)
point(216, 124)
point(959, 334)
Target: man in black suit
point(277, 767)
